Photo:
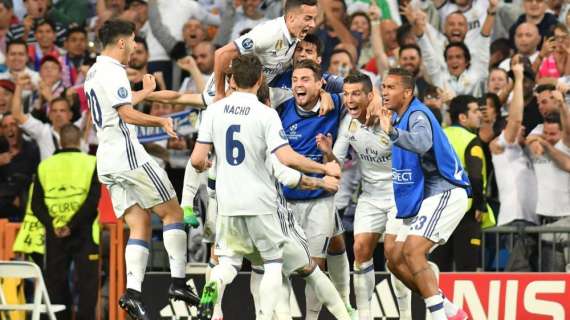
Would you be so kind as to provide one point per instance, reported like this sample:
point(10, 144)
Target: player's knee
point(389, 249)
point(362, 251)
point(307, 269)
point(320, 262)
point(411, 252)
point(337, 244)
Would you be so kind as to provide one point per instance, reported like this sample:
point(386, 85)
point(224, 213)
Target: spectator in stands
point(65, 197)
point(515, 178)
point(16, 60)
point(138, 64)
point(433, 99)
point(360, 22)
point(389, 32)
point(556, 61)
point(7, 18)
point(526, 40)
point(200, 66)
point(45, 45)
point(500, 51)
point(18, 161)
point(36, 11)
point(535, 14)
point(246, 15)
point(463, 248)
point(46, 135)
point(68, 12)
point(553, 183)
point(492, 123)
point(49, 88)
point(333, 29)
point(166, 42)
point(6, 93)
point(410, 58)
point(75, 58)
point(340, 63)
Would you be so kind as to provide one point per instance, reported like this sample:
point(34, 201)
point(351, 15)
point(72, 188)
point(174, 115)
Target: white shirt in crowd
point(475, 16)
point(272, 43)
point(242, 130)
point(516, 182)
point(107, 88)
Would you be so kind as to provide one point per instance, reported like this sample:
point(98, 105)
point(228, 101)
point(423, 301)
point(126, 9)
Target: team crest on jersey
point(247, 43)
point(384, 140)
point(122, 92)
point(278, 45)
point(353, 126)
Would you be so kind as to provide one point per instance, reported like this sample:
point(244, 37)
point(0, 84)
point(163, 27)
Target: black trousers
point(463, 247)
point(60, 252)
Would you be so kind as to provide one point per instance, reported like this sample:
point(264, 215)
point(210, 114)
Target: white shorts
point(318, 219)
point(371, 214)
point(250, 236)
point(438, 217)
point(147, 186)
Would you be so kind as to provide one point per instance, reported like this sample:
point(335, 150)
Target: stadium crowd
point(510, 127)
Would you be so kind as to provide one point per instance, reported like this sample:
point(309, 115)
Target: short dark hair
point(544, 87)
point(246, 70)
point(141, 40)
point(430, 90)
point(76, 29)
point(410, 46)
point(293, 4)
point(113, 29)
point(7, 4)
point(16, 42)
point(359, 77)
point(406, 77)
point(69, 135)
point(496, 102)
point(341, 50)
point(460, 45)
point(402, 32)
point(312, 38)
point(501, 45)
point(41, 22)
point(311, 65)
point(361, 14)
point(553, 117)
point(263, 93)
point(60, 99)
point(459, 105)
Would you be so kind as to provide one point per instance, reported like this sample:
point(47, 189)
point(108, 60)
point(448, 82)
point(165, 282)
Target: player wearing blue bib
point(429, 188)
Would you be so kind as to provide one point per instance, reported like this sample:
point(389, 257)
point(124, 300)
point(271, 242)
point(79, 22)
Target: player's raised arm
point(222, 59)
point(132, 116)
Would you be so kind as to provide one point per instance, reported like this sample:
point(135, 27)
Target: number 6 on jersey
point(235, 151)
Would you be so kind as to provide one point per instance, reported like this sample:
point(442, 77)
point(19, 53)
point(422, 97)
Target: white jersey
point(107, 88)
point(516, 182)
point(272, 43)
point(553, 185)
point(241, 130)
point(374, 153)
point(475, 16)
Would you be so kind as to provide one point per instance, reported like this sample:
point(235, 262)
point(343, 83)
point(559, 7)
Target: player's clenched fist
point(149, 82)
point(332, 169)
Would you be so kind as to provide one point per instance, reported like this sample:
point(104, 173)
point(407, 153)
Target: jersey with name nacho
point(107, 89)
point(242, 130)
point(272, 43)
point(374, 154)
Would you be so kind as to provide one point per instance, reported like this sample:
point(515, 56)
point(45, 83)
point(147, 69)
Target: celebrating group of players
point(271, 143)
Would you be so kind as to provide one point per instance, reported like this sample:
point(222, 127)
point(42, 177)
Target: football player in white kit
point(136, 183)
point(376, 209)
point(273, 42)
point(242, 130)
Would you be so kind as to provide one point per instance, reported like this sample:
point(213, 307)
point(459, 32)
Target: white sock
point(254, 281)
point(339, 271)
point(326, 293)
point(364, 287)
point(136, 258)
point(211, 264)
point(175, 243)
point(313, 305)
point(270, 284)
point(283, 309)
point(223, 274)
point(435, 307)
point(403, 295)
point(450, 308)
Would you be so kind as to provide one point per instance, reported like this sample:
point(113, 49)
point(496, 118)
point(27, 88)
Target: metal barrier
point(9, 230)
point(556, 237)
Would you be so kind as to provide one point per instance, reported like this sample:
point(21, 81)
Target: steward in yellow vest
point(65, 198)
point(463, 248)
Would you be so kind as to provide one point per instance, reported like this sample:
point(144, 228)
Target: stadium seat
point(41, 303)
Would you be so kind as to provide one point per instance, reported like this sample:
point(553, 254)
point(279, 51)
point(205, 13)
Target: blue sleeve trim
point(173, 226)
point(279, 146)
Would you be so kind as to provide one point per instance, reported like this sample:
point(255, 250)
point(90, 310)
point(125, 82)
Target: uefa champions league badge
point(122, 92)
point(247, 43)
